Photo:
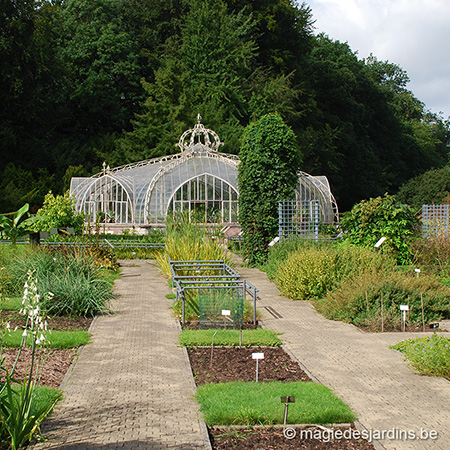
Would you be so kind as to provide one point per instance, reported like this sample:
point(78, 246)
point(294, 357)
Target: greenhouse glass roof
point(198, 181)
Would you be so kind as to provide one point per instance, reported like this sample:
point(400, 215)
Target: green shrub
point(282, 250)
point(372, 219)
point(429, 355)
point(310, 273)
point(358, 301)
point(59, 212)
point(432, 255)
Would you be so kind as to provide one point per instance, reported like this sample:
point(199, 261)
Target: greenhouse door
point(206, 199)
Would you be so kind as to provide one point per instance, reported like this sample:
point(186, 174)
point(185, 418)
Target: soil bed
point(260, 438)
point(236, 364)
point(54, 364)
point(195, 325)
point(54, 323)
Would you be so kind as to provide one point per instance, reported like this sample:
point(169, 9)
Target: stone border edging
point(75, 359)
point(203, 426)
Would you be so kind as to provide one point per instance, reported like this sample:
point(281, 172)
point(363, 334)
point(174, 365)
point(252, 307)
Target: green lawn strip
point(259, 337)
point(241, 403)
point(428, 355)
point(10, 303)
point(56, 339)
point(42, 395)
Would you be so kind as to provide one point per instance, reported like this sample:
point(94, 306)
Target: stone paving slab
point(130, 388)
point(359, 367)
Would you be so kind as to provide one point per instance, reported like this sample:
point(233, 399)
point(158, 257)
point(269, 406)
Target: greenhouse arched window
point(206, 198)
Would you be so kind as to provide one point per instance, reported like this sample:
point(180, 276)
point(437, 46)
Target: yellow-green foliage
point(358, 301)
point(185, 241)
point(309, 273)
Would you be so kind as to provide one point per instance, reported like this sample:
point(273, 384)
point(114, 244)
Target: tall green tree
point(202, 72)
point(433, 186)
point(268, 174)
point(100, 54)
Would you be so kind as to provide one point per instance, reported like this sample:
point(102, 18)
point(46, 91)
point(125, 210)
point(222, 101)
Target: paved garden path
point(360, 368)
point(130, 388)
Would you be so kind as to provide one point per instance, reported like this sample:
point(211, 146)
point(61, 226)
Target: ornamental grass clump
point(429, 355)
point(185, 241)
point(20, 414)
point(81, 288)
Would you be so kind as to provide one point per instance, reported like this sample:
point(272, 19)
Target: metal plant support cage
point(219, 288)
point(299, 218)
point(221, 307)
point(436, 221)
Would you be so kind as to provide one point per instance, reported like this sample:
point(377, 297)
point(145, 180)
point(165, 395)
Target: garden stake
point(240, 336)
point(382, 318)
point(367, 301)
point(257, 356)
point(423, 313)
point(286, 400)
point(212, 348)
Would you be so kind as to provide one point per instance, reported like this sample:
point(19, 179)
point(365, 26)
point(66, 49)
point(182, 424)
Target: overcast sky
point(414, 34)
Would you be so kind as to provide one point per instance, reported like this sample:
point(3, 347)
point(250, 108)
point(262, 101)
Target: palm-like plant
point(14, 227)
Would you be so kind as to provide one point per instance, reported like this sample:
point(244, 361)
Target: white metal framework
point(199, 181)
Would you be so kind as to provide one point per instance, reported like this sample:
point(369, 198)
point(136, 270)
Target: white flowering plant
point(20, 420)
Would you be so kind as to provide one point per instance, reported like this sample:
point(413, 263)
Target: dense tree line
point(87, 81)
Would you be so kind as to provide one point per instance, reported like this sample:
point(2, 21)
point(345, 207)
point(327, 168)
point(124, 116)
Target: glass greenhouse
point(198, 181)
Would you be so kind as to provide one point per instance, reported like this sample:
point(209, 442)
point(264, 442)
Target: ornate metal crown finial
point(199, 135)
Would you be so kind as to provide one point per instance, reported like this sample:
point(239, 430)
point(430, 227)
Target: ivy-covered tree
point(268, 174)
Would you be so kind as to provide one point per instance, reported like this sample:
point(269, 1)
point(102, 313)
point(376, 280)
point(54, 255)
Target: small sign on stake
point(257, 356)
point(403, 309)
point(286, 400)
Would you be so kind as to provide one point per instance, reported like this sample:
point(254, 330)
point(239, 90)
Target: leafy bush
point(14, 227)
point(310, 273)
point(432, 255)
point(282, 250)
point(429, 355)
point(358, 301)
point(372, 219)
point(59, 212)
point(430, 187)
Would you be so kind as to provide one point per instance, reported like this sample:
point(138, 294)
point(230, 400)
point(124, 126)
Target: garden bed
point(236, 364)
point(231, 364)
point(53, 367)
point(54, 323)
point(271, 438)
point(54, 362)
